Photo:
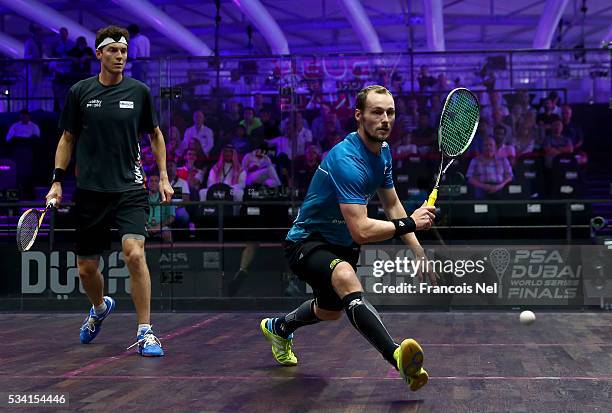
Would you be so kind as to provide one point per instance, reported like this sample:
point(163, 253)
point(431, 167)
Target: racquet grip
point(52, 203)
point(432, 197)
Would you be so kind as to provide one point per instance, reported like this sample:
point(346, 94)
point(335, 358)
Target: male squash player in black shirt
point(104, 117)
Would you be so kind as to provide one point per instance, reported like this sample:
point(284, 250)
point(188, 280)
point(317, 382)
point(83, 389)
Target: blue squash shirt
point(349, 174)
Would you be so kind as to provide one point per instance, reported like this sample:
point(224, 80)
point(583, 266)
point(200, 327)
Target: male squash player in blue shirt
point(322, 247)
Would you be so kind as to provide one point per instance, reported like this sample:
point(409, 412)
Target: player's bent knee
point(344, 276)
point(134, 257)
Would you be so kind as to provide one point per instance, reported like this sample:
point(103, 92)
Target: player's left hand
point(165, 191)
point(424, 270)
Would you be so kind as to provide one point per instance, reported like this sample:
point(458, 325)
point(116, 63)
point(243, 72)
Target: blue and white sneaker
point(148, 344)
point(93, 322)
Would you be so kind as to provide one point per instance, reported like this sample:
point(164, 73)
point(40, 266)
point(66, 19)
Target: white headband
point(110, 40)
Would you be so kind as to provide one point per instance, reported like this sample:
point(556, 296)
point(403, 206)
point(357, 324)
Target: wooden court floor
point(219, 362)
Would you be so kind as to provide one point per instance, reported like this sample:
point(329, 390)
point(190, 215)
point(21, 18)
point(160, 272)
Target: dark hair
point(363, 94)
point(133, 29)
point(114, 32)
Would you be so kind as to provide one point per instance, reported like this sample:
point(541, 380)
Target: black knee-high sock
point(302, 316)
point(366, 320)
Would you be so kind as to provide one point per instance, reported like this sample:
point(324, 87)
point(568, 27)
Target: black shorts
point(313, 261)
point(97, 211)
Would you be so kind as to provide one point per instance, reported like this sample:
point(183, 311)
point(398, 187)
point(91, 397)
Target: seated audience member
point(570, 128)
point(199, 131)
point(260, 169)
point(161, 216)
point(299, 133)
point(305, 167)
point(524, 142)
point(553, 99)
point(82, 55)
point(286, 123)
point(173, 144)
point(321, 123)
point(24, 129)
point(487, 173)
point(330, 132)
point(556, 143)
point(201, 160)
point(147, 159)
point(546, 116)
point(227, 171)
point(424, 137)
point(504, 144)
point(573, 131)
point(190, 171)
point(514, 119)
point(270, 126)
point(406, 148)
point(240, 141)
point(535, 131)
point(181, 194)
point(22, 139)
point(251, 123)
point(524, 101)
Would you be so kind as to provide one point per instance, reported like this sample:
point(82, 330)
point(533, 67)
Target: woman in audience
point(227, 171)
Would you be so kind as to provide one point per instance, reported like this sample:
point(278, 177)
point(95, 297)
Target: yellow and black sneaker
point(409, 357)
point(281, 347)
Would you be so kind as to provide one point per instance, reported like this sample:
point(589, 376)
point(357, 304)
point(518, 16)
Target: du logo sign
point(41, 271)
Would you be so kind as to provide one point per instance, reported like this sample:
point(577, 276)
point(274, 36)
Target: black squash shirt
point(107, 121)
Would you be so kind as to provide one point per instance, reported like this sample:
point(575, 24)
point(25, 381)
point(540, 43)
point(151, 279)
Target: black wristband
point(58, 175)
point(404, 226)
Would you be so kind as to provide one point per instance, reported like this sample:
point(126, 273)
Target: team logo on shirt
point(126, 104)
point(94, 103)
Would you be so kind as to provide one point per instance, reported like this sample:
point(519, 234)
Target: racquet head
point(458, 122)
point(27, 228)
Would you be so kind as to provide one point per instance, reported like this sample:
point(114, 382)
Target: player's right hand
point(423, 217)
point(54, 192)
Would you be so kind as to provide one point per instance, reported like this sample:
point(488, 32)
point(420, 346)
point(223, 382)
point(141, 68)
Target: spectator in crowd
point(260, 169)
point(424, 136)
point(330, 132)
point(147, 158)
point(300, 133)
point(425, 80)
point(270, 126)
point(22, 137)
point(404, 150)
point(240, 141)
point(161, 216)
point(181, 193)
point(442, 83)
point(573, 131)
point(61, 70)
point(82, 56)
point(553, 104)
point(227, 171)
point(286, 123)
point(319, 123)
point(504, 144)
point(537, 133)
point(524, 101)
point(24, 129)
point(33, 49)
point(570, 128)
point(546, 116)
point(487, 173)
point(140, 47)
point(305, 167)
point(232, 115)
point(514, 119)
point(281, 145)
point(251, 123)
point(556, 143)
point(199, 131)
point(173, 144)
point(524, 141)
point(191, 172)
